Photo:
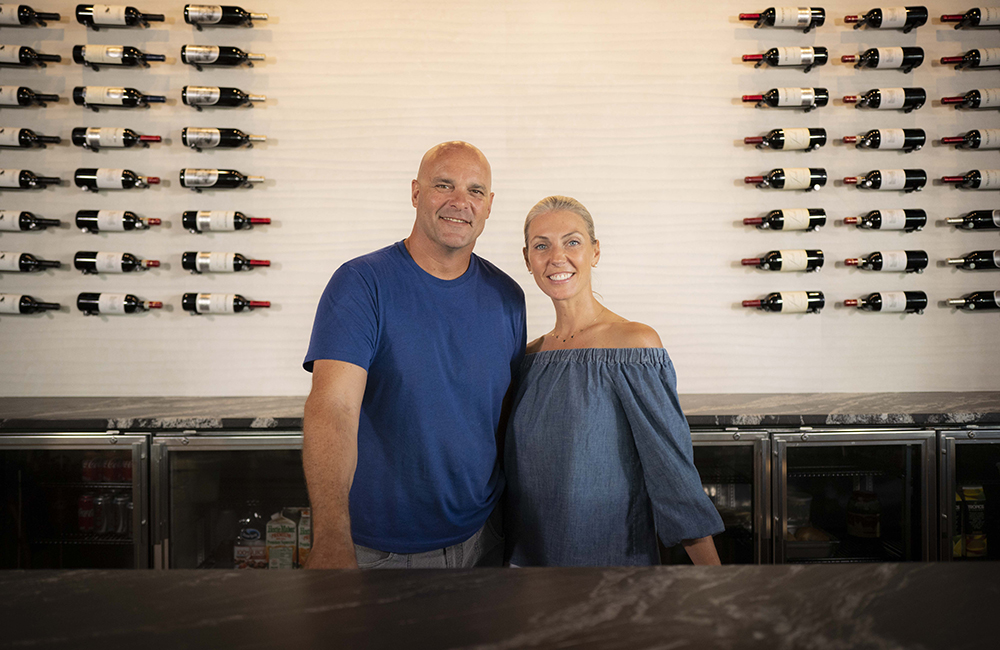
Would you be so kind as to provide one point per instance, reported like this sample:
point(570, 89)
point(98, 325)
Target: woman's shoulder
point(535, 346)
point(631, 334)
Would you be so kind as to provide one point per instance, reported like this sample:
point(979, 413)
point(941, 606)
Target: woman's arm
point(702, 550)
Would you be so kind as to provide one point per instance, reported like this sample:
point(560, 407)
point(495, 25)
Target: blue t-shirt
point(440, 356)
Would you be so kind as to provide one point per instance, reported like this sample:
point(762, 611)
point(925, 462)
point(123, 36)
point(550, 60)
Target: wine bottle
point(206, 262)
point(23, 96)
point(907, 180)
point(891, 302)
point(218, 220)
point(94, 96)
point(25, 180)
point(113, 303)
point(977, 220)
point(905, 18)
point(25, 138)
point(790, 302)
point(14, 262)
point(95, 221)
point(889, 99)
point(976, 179)
point(200, 138)
point(14, 303)
point(97, 16)
point(198, 179)
point(94, 138)
point(977, 261)
point(794, 219)
point(986, 57)
point(804, 98)
point(787, 260)
point(887, 58)
point(90, 262)
point(219, 303)
point(217, 55)
point(977, 301)
point(790, 57)
point(905, 220)
point(12, 220)
point(791, 178)
point(127, 56)
point(977, 17)
point(977, 98)
point(199, 15)
point(790, 139)
point(901, 261)
point(199, 96)
point(93, 179)
point(23, 56)
point(804, 18)
point(976, 139)
point(906, 140)
point(21, 15)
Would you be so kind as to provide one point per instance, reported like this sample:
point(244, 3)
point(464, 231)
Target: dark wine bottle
point(201, 138)
point(25, 138)
point(977, 17)
point(976, 139)
point(16, 262)
point(977, 98)
point(889, 99)
point(787, 261)
point(904, 18)
point(790, 139)
point(905, 220)
point(891, 261)
point(24, 96)
point(94, 138)
point(217, 179)
point(794, 219)
point(22, 15)
point(804, 18)
point(804, 98)
point(986, 57)
point(97, 16)
point(790, 302)
point(90, 262)
point(907, 180)
point(790, 57)
point(887, 58)
point(977, 220)
point(217, 55)
point(15, 303)
point(208, 262)
point(219, 303)
point(906, 140)
point(976, 179)
point(94, 96)
point(127, 56)
point(219, 221)
point(790, 178)
point(113, 303)
point(95, 221)
point(199, 15)
point(93, 179)
point(977, 301)
point(23, 56)
point(25, 180)
point(14, 221)
point(199, 96)
point(977, 261)
point(892, 302)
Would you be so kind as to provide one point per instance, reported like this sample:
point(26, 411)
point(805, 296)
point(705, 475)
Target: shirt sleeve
point(681, 509)
point(347, 324)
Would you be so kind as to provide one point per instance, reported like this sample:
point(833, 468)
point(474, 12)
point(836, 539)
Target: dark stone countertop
point(850, 607)
point(71, 414)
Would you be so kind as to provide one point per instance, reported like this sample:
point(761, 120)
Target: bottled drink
point(218, 220)
point(978, 301)
point(12, 14)
point(25, 180)
point(977, 98)
point(890, 139)
point(198, 179)
point(787, 260)
point(986, 57)
point(977, 220)
point(791, 56)
point(97, 16)
point(15, 262)
point(199, 138)
point(977, 17)
point(794, 219)
point(249, 548)
point(24, 56)
point(199, 15)
point(791, 178)
point(94, 96)
point(199, 96)
point(219, 303)
point(976, 139)
point(790, 139)
point(198, 262)
point(23, 96)
point(101, 262)
point(94, 138)
point(12, 220)
point(905, 18)
point(25, 138)
point(790, 302)
point(14, 303)
point(892, 302)
point(976, 179)
point(217, 55)
point(93, 179)
point(804, 98)
point(905, 220)
point(907, 180)
point(889, 99)
point(95, 221)
point(891, 261)
point(804, 18)
point(113, 303)
point(887, 58)
point(977, 261)
point(119, 55)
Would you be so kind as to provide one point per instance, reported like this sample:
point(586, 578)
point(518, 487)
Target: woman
point(598, 454)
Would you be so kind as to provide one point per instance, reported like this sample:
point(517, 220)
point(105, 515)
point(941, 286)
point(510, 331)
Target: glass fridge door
point(970, 495)
point(854, 496)
point(215, 495)
point(74, 501)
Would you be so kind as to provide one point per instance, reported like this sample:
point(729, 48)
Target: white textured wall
point(632, 107)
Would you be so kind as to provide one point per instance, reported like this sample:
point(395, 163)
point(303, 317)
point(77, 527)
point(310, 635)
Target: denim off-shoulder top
point(599, 461)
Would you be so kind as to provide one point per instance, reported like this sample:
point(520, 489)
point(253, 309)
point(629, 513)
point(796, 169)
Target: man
point(413, 351)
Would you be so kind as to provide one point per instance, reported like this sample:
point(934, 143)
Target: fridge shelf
point(850, 551)
point(81, 485)
point(833, 472)
point(109, 539)
point(725, 478)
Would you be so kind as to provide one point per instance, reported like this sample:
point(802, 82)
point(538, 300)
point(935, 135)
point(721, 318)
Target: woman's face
point(560, 255)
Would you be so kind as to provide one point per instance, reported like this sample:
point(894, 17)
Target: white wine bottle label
point(796, 219)
point(104, 95)
point(893, 17)
point(889, 58)
point(204, 14)
point(110, 137)
point(111, 303)
point(893, 179)
point(991, 16)
point(10, 261)
point(215, 303)
point(891, 138)
point(10, 178)
point(111, 220)
point(797, 178)
point(793, 55)
point(206, 138)
point(796, 97)
point(200, 177)
point(989, 138)
point(792, 16)
point(106, 54)
point(8, 15)
point(203, 95)
point(794, 260)
point(794, 302)
point(221, 262)
point(990, 98)
point(109, 179)
point(110, 15)
point(201, 53)
point(109, 262)
point(893, 260)
point(217, 220)
point(893, 302)
point(8, 96)
point(989, 56)
point(796, 139)
point(892, 98)
point(10, 137)
point(10, 53)
point(9, 220)
point(990, 179)
point(10, 303)
point(893, 219)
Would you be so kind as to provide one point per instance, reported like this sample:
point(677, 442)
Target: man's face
point(453, 198)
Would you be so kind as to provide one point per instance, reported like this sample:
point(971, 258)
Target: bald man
point(413, 351)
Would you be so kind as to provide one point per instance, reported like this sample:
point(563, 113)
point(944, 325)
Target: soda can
point(91, 467)
point(108, 467)
point(85, 512)
point(103, 514)
point(123, 514)
point(123, 469)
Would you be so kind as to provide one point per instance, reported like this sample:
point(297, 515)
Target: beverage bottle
point(790, 302)
point(25, 138)
point(804, 18)
point(891, 302)
point(199, 96)
point(791, 56)
point(889, 99)
point(22, 179)
point(113, 303)
point(14, 220)
point(906, 220)
point(977, 17)
point(198, 179)
point(24, 96)
point(790, 178)
point(790, 139)
point(90, 262)
point(906, 140)
point(219, 303)
point(977, 301)
point(93, 179)
point(218, 220)
point(94, 138)
point(976, 179)
point(304, 537)
point(95, 221)
point(24, 56)
point(977, 261)
point(787, 260)
point(126, 56)
point(977, 220)
point(14, 303)
point(16, 262)
point(985, 57)
point(93, 97)
point(207, 262)
point(891, 261)
point(804, 98)
point(201, 138)
point(217, 55)
point(887, 58)
point(907, 180)
point(904, 18)
point(250, 548)
point(200, 15)
point(23, 15)
point(789, 219)
point(976, 99)
point(97, 16)
point(976, 139)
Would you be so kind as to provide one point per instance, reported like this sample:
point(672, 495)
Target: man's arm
point(330, 457)
point(702, 550)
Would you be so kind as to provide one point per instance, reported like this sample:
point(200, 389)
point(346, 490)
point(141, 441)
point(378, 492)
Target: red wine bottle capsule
point(891, 302)
point(904, 18)
point(790, 302)
point(792, 219)
point(975, 18)
point(14, 303)
point(977, 220)
point(976, 179)
point(113, 303)
point(219, 303)
point(804, 18)
point(23, 15)
point(14, 221)
point(215, 15)
point(978, 301)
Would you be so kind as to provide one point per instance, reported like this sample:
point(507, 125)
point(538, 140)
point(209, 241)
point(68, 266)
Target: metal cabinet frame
point(949, 440)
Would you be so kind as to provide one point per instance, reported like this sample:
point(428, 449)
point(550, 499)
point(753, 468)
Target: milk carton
point(305, 536)
point(281, 536)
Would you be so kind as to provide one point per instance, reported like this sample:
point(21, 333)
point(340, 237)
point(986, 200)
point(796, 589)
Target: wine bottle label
point(794, 260)
point(215, 303)
point(989, 138)
point(110, 15)
point(8, 96)
point(109, 262)
point(104, 137)
point(792, 16)
point(893, 219)
point(797, 139)
point(10, 303)
point(893, 301)
point(892, 98)
point(215, 262)
point(796, 96)
point(201, 53)
point(104, 95)
point(216, 220)
point(206, 138)
point(111, 303)
point(990, 179)
point(10, 53)
point(204, 14)
point(991, 16)
point(796, 219)
point(10, 261)
point(10, 220)
point(891, 138)
point(200, 177)
point(797, 178)
point(795, 55)
point(10, 137)
point(989, 56)
point(111, 220)
point(10, 178)
point(894, 260)
point(106, 54)
point(996, 218)
point(893, 17)
point(893, 179)
point(202, 95)
point(109, 179)
point(8, 15)
point(990, 97)
point(794, 302)
point(889, 58)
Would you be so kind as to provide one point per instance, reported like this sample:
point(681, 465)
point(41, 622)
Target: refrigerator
point(969, 465)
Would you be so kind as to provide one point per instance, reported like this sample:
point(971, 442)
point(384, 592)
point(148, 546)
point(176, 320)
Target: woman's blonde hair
point(558, 203)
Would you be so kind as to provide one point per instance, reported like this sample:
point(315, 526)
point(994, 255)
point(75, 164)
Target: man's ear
point(414, 191)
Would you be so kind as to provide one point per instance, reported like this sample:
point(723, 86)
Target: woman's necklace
point(573, 334)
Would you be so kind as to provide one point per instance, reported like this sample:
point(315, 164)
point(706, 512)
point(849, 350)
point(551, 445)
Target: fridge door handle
point(160, 552)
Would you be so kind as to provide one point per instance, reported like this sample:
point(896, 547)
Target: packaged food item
point(305, 537)
point(281, 537)
point(250, 550)
point(864, 515)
